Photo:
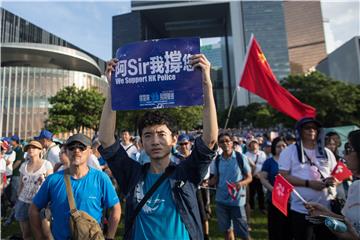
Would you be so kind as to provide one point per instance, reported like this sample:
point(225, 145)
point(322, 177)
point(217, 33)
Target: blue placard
point(156, 74)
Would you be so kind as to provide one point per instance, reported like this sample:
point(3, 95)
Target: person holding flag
point(351, 210)
point(231, 173)
point(278, 224)
point(307, 165)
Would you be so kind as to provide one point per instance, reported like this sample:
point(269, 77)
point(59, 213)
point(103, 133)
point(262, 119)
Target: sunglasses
point(183, 144)
point(310, 127)
point(81, 147)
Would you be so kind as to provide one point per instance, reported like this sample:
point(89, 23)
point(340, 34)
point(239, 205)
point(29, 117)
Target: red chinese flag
point(341, 172)
point(258, 78)
point(232, 190)
point(281, 193)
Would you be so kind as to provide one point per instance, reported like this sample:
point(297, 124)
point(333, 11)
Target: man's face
point(14, 143)
point(260, 140)
point(309, 132)
point(125, 136)
point(253, 146)
point(45, 142)
point(226, 144)
point(157, 141)
point(184, 146)
point(78, 153)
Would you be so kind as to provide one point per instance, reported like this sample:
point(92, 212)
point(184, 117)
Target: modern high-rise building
point(305, 34)
point(343, 63)
point(35, 65)
point(232, 22)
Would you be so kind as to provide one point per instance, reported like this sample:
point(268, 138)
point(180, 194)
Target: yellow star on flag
point(262, 57)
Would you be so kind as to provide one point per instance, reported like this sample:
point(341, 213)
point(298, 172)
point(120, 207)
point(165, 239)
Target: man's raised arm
point(108, 116)
point(210, 126)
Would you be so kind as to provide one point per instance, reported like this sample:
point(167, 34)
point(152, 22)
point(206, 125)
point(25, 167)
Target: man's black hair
point(225, 134)
point(151, 118)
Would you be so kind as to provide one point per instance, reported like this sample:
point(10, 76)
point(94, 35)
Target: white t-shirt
point(2, 165)
point(289, 161)
point(351, 209)
point(256, 158)
point(32, 181)
point(9, 157)
point(130, 149)
point(93, 162)
point(52, 154)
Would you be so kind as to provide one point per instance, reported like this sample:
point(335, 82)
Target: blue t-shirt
point(159, 209)
point(92, 193)
point(230, 171)
point(270, 166)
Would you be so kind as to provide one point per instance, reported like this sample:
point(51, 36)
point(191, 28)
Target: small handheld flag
point(281, 193)
point(341, 172)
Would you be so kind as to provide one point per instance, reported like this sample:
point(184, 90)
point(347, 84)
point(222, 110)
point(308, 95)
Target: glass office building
point(35, 65)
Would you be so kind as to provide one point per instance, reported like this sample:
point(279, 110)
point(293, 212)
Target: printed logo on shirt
point(152, 205)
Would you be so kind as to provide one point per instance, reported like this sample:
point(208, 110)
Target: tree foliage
point(75, 109)
point(337, 103)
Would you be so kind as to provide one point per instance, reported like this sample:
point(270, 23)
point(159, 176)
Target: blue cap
point(15, 138)
point(268, 144)
point(183, 138)
point(44, 134)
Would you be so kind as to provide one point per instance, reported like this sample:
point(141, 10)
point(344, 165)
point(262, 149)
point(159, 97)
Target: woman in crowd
point(278, 224)
point(32, 174)
point(351, 210)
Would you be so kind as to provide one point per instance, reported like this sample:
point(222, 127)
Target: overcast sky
point(88, 24)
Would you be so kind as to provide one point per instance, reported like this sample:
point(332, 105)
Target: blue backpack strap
point(217, 163)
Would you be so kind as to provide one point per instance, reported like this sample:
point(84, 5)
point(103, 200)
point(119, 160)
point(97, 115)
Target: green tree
point(73, 108)
point(89, 108)
point(61, 113)
point(337, 103)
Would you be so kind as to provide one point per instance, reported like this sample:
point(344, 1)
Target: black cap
point(306, 120)
point(81, 138)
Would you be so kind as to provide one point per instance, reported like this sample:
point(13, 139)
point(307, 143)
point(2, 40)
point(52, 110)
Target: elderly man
point(307, 165)
point(92, 191)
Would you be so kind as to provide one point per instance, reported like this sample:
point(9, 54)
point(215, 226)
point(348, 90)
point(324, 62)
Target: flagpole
point(299, 196)
point(230, 108)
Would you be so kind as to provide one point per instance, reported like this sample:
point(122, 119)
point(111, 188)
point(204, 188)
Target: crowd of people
point(166, 179)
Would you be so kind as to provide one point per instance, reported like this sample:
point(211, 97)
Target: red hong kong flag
point(341, 172)
point(258, 78)
point(232, 190)
point(281, 193)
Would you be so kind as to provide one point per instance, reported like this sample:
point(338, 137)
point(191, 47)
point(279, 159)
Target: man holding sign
point(171, 212)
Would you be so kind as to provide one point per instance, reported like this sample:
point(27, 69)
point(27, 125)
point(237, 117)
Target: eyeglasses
point(225, 141)
point(81, 147)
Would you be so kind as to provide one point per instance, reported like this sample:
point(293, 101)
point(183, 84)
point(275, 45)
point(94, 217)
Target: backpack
point(239, 159)
point(82, 225)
